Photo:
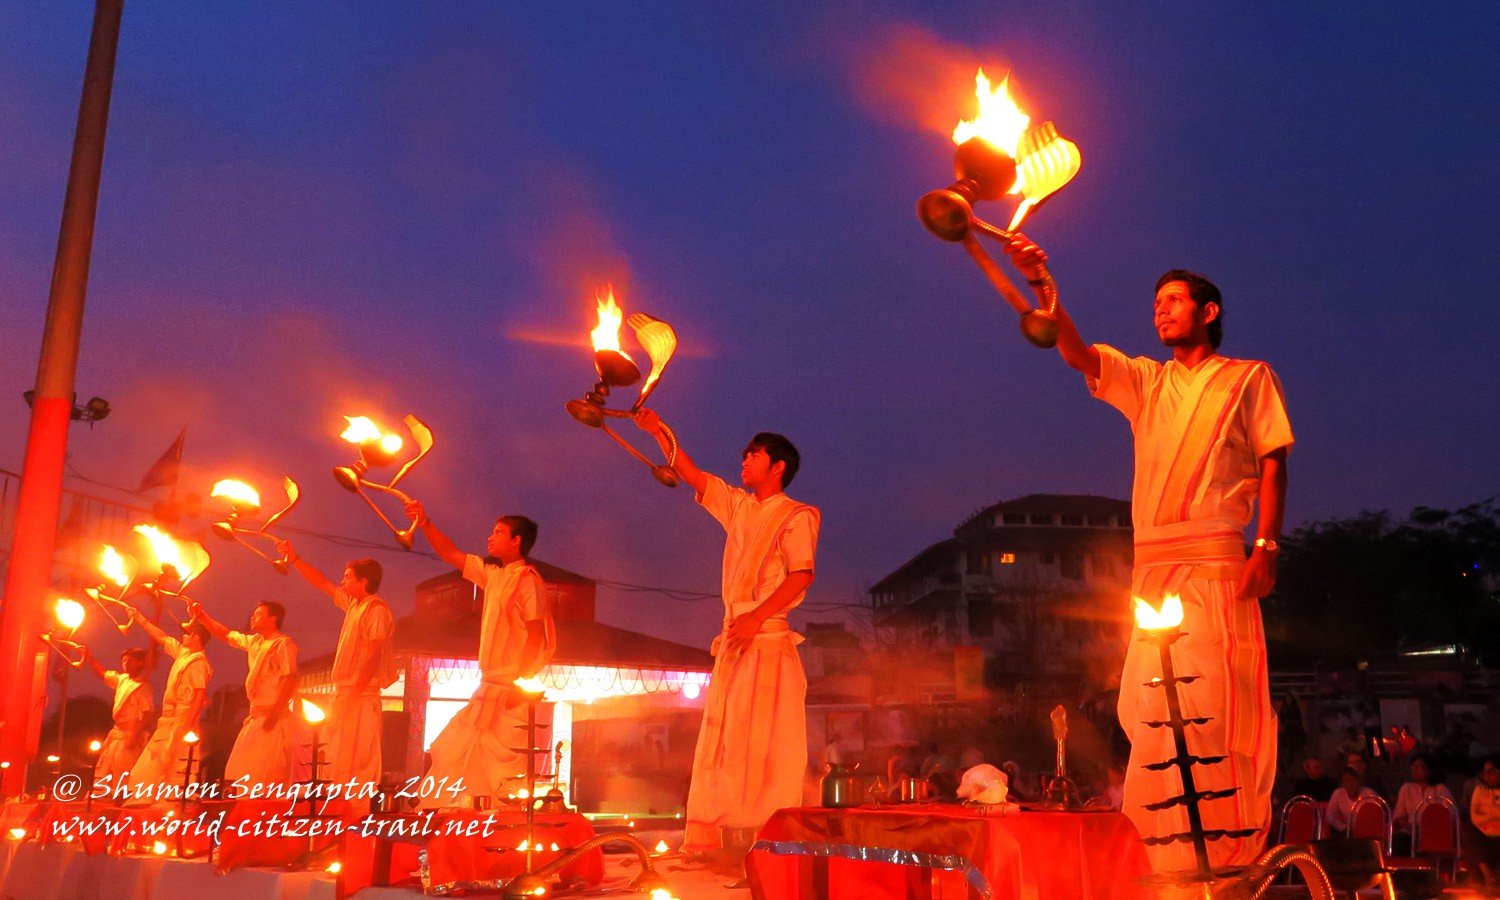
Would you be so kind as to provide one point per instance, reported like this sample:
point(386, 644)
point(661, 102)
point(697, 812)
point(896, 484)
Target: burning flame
point(312, 712)
point(334, 868)
point(159, 848)
point(1149, 619)
point(237, 492)
point(531, 685)
point(17, 834)
point(661, 847)
point(607, 335)
point(95, 746)
point(190, 738)
point(169, 552)
point(1000, 121)
point(361, 430)
point(662, 894)
point(69, 613)
point(112, 564)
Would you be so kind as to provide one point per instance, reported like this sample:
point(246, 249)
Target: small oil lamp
point(244, 500)
point(378, 449)
point(999, 153)
point(617, 370)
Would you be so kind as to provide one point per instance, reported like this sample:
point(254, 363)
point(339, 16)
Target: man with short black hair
point(752, 747)
point(363, 664)
point(1211, 441)
point(159, 770)
point(267, 752)
point(131, 712)
point(473, 756)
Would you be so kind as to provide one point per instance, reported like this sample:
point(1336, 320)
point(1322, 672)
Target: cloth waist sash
point(775, 636)
point(1168, 555)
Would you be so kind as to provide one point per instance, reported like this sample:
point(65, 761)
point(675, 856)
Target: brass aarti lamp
point(244, 500)
point(617, 370)
point(121, 569)
point(1000, 153)
point(378, 449)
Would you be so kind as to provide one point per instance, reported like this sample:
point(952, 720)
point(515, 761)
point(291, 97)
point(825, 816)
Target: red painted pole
point(23, 610)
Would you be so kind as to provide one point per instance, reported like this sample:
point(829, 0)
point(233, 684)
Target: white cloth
point(161, 765)
point(473, 756)
point(752, 747)
point(131, 709)
point(354, 723)
point(1341, 808)
point(1199, 437)
point(264, 755)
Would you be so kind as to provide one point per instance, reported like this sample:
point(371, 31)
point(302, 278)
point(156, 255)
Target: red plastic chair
point(1301, 821)
point(1436, 835)
point(1370, 819)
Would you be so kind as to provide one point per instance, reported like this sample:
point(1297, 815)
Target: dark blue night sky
point(317, 209)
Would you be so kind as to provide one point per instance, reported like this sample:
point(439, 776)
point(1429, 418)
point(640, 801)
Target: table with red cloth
point(941, 852)
point(447, 851)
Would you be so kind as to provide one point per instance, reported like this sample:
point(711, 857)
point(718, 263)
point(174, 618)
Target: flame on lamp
point(190, 738)
point(1000, 121)
point(237, 492)
point(661, 847)
point(531, 685)
point(18, 834)
point(169, 552)
point(69, 613)
point(607, 335)
point(95, 746)
point(1147, 618)
point(159, 848)
point(112, 564)
point(334, 868)
point(312, 712)
point(362, 431)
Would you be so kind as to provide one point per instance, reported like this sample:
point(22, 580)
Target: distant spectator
point(1356, 761)
point(1341, 804)
point(902, 763)
point(1352, 742)
point(1426, 781)
point(1314, 782)
point(1483, 828)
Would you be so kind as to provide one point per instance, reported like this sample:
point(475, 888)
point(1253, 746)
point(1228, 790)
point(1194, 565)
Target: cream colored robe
point(353, 730)
point(752, 747)
point(158, 773)
point(1199, 437)
point(123, 745)
point(268, 757)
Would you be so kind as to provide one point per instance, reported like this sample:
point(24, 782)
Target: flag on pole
point(163, 472)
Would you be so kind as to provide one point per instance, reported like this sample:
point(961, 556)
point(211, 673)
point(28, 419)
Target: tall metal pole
point(22, 615)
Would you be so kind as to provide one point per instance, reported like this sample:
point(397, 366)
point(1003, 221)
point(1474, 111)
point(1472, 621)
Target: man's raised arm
point(197, 613)
point(649, 422)
point(446, 550)
point(306, 569)
point(148, 626)
point(1029, 259)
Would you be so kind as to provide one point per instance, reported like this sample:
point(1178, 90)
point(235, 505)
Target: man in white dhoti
point(752, 747)
point(473, 755)
point(1211, 440)
point(131, 711)
point(363, 664)
point(267, 753)
point(160, 769)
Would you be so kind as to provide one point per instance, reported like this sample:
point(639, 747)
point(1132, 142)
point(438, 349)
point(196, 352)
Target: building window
point(1100, 521)
point(1071, 566)
point(1007, 559)
point(1074, 520)
point(977, 563)
point(1015, 518)
point(1041, 518)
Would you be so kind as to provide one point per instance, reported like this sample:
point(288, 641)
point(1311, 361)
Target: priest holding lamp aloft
point(1211, 442)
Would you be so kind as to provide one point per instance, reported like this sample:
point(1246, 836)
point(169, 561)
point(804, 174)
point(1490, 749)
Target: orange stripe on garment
point(1219, 424)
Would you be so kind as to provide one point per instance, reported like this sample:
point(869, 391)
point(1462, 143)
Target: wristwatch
point(1267, 545)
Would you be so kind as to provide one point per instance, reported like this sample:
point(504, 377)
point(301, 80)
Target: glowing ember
point(362, 431)
point(607, 335)
point(69, 613)
point(1000, 121)
point(112, 564)
point(1149, 619)
point(237, 492)
point(312, 712)
point(334, 868)
point(53, 757)
point(95, 746)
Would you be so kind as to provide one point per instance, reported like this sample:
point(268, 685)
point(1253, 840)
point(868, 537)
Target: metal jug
point(914, 790)
point(841, 786)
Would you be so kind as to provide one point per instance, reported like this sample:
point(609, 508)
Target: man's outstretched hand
point(1026, 255)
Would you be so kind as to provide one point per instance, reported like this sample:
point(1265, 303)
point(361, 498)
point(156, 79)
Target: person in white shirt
point(160, 770)
point(1341, 805)
point(752, 747)
point(131, 712)
point(474, 755)
point(1426, 782)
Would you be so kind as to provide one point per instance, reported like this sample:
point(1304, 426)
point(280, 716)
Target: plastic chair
point(1370, 819)
point(1436, 834)
point(1301, 821)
